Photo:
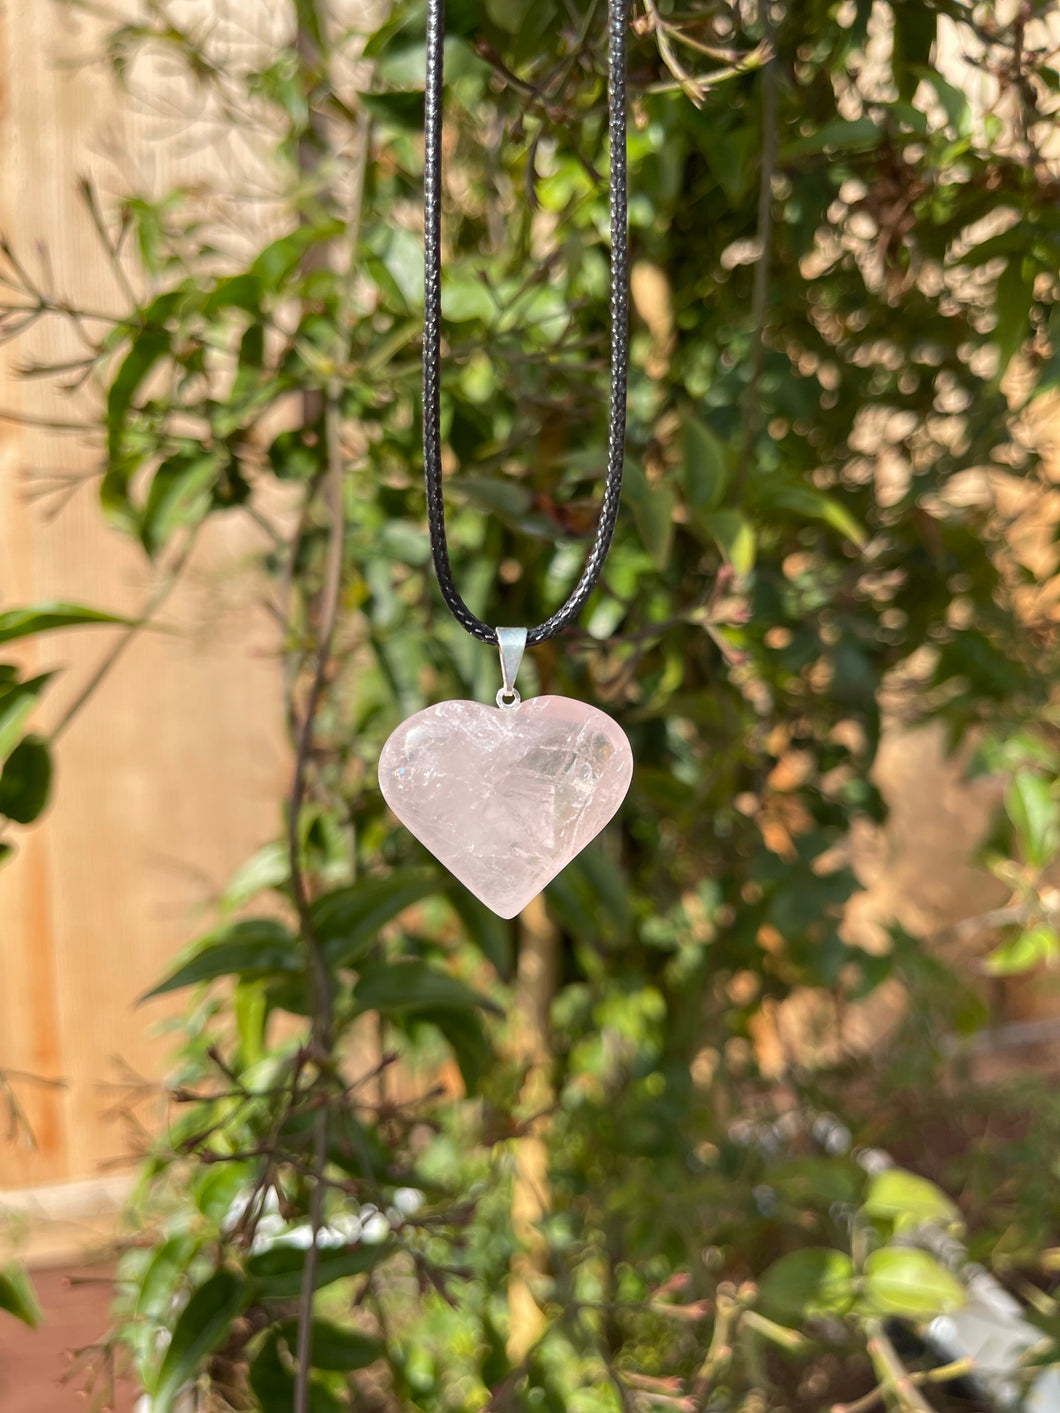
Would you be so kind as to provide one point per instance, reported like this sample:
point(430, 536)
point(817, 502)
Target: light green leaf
point(203, 1325)
point(1038, 946)
point(903, 1280)
point(270, 867)
point(814, 1281)
point(816, 505)
point(734, 536)
point(16, 703)
point(465, 298)
point(159, 1282)
point(1035, 816)
point(908, 1200)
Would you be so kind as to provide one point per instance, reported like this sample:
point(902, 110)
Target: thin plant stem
point(760, 293)
point(321, 989)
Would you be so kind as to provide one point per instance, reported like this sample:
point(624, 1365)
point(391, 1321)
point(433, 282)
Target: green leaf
point(25, 780)
point(734, 536)
point(278, 1271)
point(1014, 297)
point(335, 1348)
point(272, 1378)
point(1038, 946)
point(707, 466)
point(270, 867)
point(411, 984)
point(48, 615)
point(16, 703)
point(913, 37)
point(492, 935)
point(465, 1033)
point(908, 1200)
point(814, 1281)
point(816, 505)
point(466, 298)
point(843, 135)
point(903, 1280)
point(149, 345)
point(180, 494)
point(252, 947)
point(1034, 814)
point(347, 920)
point(160, 1281)
point(243, 291)
point(275, 265)
point(18, 1298)
point(652, 507)
point(203, 1326)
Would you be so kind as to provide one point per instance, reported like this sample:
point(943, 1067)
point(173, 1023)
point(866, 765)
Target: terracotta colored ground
point(33, 1362)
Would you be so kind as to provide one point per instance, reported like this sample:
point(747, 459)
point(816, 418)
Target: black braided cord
point(432, 436)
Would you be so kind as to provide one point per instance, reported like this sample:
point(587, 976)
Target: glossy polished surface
point(506, 797)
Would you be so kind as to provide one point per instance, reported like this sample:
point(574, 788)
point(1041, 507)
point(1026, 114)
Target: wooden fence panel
point(171, 775)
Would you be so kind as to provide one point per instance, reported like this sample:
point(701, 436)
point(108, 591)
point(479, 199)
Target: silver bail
point(512, 645)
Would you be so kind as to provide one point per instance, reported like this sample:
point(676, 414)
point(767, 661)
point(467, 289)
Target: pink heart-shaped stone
point(506, 797)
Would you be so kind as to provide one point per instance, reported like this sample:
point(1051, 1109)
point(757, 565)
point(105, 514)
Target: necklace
point(506, 796)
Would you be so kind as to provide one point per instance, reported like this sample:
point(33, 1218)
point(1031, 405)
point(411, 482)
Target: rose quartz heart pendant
point(505, 797)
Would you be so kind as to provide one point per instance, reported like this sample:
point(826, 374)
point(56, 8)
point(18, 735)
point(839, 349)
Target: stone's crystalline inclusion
point(505, 798)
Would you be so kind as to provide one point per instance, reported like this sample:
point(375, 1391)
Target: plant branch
point(760, 293)
point(153, 603)
point(322, 1007)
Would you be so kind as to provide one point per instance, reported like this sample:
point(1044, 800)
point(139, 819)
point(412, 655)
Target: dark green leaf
point(411, 984)
point(652, 507)
point(18, 1298)
point(348, 920)
point(253, 947)
point(202, 1327)
point(25, 780)
point(278, 1271)
point(464, 1031)
point(707, 466)
point(180, 495)
point(335, 1348)
point(843, 135)
point(272, 1378)
point(492, 935)
point(1015, 295)
point(50, 614)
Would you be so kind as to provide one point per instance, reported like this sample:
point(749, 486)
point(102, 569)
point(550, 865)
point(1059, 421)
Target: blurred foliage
point(812, 531)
